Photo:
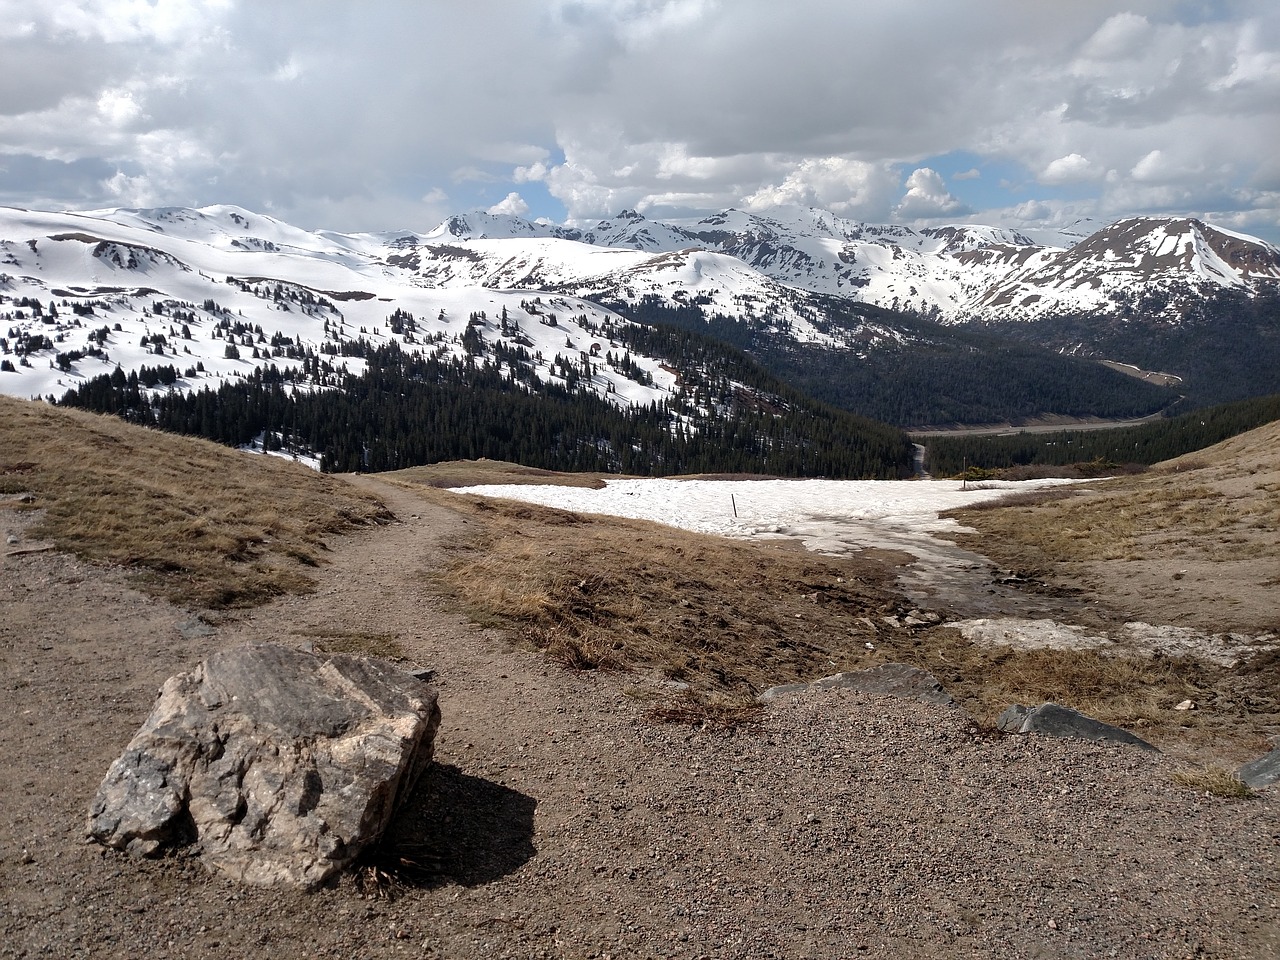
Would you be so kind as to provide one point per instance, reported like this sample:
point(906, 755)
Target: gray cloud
point(397, 112)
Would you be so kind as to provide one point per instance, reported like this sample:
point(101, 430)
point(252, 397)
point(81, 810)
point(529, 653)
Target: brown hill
point(1195, 541)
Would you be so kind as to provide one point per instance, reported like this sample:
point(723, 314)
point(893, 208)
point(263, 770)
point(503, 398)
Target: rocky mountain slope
point(218, 292)
point(951, 272)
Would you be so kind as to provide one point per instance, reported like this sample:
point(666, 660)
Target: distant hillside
point(909, 371)
point(1223, 347)
point(725, 415)
point(1146, 444)
point(198, 300)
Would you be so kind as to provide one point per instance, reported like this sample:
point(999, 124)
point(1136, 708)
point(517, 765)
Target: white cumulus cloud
point(849, 187)
point(513, 205)
point(1073, 168)
point(675, 107)
point(927, 198)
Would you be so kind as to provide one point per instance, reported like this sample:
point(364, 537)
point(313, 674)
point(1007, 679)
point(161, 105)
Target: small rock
point(1262, 772)
point(1055, 720)
point(11, 540)
point(194, 629)
point(892, 679)
point(1186, 705)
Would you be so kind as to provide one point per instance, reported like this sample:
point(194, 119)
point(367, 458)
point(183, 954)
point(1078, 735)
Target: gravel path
point(566, 825)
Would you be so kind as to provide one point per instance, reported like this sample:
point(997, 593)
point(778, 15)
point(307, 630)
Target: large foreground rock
point(1055, 720)
point(281, 766)
point(889, 679)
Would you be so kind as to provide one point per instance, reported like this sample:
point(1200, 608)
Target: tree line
point(922, 373)
point(408, 409)
point(1145, 444)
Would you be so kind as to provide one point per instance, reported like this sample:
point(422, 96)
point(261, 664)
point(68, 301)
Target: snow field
point(770, 508)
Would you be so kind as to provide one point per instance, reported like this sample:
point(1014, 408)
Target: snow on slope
point(204, 291)
point(1129, 258)
point(765, 270)
point(802, 249)
point(768, 508)
point(963, 271)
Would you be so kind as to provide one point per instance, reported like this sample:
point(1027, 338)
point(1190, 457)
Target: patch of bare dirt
point(1193, 543)
point(559, 822)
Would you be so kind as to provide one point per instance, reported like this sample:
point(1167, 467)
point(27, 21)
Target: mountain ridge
point(214, 293)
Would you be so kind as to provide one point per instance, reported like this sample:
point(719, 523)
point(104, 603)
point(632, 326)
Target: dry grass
point(1028, 498)
point(731, 618)
point(470, 473)
point(1215, 781)
point(1192, 543)
point(1131, 692)
point(204, 525)
point(718, 715)
point(358, 642)
point(208, 526)
point(1207, 513)
point(720, 615)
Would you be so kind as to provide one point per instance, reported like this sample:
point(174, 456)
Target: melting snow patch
point(1224, 649)
point(1221, 648)
point(1029, 634)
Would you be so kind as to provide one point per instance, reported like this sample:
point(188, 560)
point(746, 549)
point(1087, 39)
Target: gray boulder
point(889, 679)
point(1055, 720)
point(279, 765)
point(1262, 772)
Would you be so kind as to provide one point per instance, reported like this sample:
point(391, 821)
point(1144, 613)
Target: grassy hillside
point(1194, 542)
point(205, 525)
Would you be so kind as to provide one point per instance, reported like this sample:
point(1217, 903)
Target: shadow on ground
point(463, 829)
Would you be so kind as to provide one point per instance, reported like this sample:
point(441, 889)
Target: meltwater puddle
point(943, 577)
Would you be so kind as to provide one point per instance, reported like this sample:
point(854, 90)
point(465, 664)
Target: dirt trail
point(375, 585)
point(565, 825)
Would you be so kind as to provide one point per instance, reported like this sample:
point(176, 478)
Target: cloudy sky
point(391, 114)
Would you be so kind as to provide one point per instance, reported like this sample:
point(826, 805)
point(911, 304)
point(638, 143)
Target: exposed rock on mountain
point(196, 298)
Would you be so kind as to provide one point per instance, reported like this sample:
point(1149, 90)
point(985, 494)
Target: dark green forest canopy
point(407, 410)
point(907, 370)
point(1146, 444)
point(1224, 347)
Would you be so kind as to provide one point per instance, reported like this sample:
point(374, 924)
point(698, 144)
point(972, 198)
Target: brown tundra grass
point(205, 525)
point(720, 619)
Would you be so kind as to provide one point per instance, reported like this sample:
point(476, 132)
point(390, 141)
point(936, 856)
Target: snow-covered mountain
point(1127, 261)
point(217, 291)
point(956, 272)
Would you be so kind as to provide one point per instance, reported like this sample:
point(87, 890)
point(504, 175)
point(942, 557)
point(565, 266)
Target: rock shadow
point(460, 828)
